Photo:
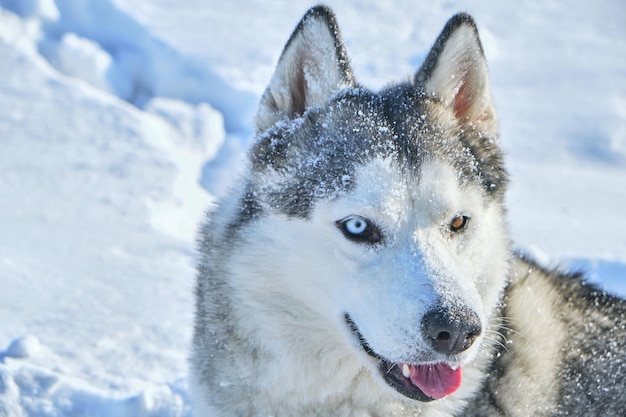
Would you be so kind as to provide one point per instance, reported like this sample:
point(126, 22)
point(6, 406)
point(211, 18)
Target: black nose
point(451, 330)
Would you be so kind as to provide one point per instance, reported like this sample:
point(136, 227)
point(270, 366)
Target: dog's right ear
point(312, 68)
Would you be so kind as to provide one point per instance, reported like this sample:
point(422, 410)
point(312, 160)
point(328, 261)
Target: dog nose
point(451, 330)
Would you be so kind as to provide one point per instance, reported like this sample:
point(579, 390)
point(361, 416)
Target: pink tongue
point(437, 380)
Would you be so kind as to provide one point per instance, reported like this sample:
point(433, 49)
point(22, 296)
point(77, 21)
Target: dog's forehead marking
point(441, 189)
point(385, 189)
point(380, 190)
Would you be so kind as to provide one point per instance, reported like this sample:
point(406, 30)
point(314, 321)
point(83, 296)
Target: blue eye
point(356, 226)
point(359, 229)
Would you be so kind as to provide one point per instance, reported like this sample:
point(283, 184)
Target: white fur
point(533, 305)
point(294, 279)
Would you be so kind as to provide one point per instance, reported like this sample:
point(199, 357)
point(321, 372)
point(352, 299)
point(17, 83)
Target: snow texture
point(120, 121)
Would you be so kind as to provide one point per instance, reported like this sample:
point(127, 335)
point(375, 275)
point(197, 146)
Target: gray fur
point(551, 345)
point(587, 329)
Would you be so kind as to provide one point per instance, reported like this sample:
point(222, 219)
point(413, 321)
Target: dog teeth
point(406, 371)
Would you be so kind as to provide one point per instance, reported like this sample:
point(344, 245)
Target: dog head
point(380, 212)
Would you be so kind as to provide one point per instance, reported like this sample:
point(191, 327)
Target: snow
point(121, 121)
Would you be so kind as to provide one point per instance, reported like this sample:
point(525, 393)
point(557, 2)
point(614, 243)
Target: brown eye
point(458, 223)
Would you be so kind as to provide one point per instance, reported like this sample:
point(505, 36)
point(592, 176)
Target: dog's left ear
point(455, 72)
point(313, 66)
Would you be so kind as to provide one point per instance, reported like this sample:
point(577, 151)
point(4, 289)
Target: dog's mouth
point(420, 382)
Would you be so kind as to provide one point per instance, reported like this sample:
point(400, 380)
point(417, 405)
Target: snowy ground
point(120, 121)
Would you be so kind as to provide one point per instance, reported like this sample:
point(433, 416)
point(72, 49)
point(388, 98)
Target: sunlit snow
point(121, 121)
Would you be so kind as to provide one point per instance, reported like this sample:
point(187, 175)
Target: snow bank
point(100, 45)
point(101, 204)
point(33, 385)
point(96, 42)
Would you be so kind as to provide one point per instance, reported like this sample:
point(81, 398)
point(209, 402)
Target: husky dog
point(362, 266)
